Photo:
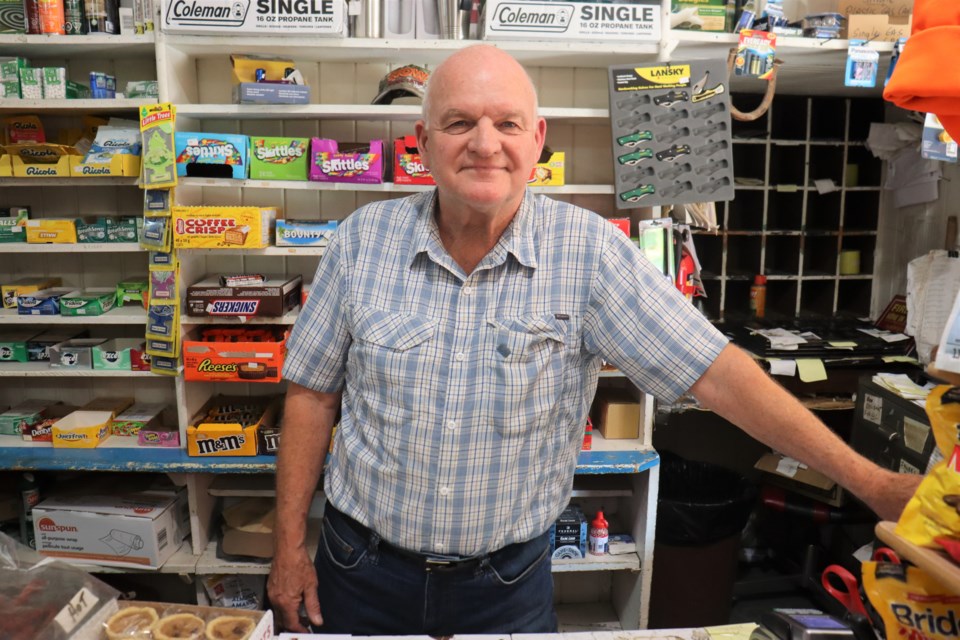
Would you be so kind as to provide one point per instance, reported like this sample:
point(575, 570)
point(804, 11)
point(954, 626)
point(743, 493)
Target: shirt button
point(460, 357)
point(439, 547)
point(444, 491)
point(451, 424)
point(467, 291)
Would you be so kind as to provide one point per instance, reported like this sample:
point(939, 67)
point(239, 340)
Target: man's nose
point(486, 139)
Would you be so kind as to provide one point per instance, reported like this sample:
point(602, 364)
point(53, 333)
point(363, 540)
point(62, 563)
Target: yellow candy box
point(223, 227)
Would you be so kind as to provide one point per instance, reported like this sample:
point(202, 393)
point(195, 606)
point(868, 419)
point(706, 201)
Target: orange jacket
point(927, 76)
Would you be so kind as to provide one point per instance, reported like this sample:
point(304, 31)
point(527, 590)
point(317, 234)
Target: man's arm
point(308, 419)
point(737, 389)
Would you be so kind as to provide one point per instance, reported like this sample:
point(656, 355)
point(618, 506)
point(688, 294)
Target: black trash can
point(701, 510)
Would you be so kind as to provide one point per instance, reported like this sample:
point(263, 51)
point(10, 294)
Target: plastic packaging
point(599, 537)
point(29, 497)
point(911, 603)
point(758, 296)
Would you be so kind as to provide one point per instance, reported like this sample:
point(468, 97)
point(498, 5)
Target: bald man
point(460, 333)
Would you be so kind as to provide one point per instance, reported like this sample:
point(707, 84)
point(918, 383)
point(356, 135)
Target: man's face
point(482, 137)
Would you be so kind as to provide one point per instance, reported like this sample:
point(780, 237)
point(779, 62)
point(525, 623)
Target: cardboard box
point(43, 431)
point(74, 354)
point(304, 233)
point(324, 19)
point(263, 619)
point(804, 481)
point(124, 229)
point(274, 297)
point(57, 169)
point(90, 229)
point(26, 285)
point(159, 436)
point(45, 302)
point(549, 171)
point(82, 429)
point(137, 530)
point(331, 161)
point(212, 155)
point(208, 436)
point(270, 93)
point(51, 231)
point(407, 166)
point(13, 345)
point(878, 28)
point(568, 535)
point(118, 354)
point(25, 414)
point(617, 416)
point(279, 158)
point(120, 165)
point(223, 227)
point(893, 8)
point(268, 440)
point(12, 223)
point(702, 15)
point(38, 347)
point(248, 528)
point(564, 20)
point(234, 361)
point(88, 302)
point(142, 415)
point(113, 405)
point(135, 290)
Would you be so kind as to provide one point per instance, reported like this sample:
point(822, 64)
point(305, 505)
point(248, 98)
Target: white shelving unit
point(194, 73)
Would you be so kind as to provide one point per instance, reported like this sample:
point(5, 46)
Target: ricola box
point(271, 298)
point(636, 21)
point(279, 158)
point(223, 227)
point(407, 166)
point(305, 233)
point(211, 155)
point(346, 162)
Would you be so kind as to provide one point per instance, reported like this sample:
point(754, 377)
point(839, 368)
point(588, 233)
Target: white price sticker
point(76, 610)
point(872, 408)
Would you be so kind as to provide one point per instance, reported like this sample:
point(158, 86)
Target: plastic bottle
point(758, 296)
point(29, 497)
point(599, 535)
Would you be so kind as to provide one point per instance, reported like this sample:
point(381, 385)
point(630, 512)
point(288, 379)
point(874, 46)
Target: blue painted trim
point(177, 461)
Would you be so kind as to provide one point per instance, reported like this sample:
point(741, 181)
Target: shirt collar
point(517, 239)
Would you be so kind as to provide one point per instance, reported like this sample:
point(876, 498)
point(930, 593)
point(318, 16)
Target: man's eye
point(458, 126)
point(510, 126)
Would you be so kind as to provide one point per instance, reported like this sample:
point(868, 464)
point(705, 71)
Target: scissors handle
point(849, 595)
point(886, 554)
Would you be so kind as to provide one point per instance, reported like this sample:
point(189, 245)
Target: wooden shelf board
point(182, 562)
point(622, 562)
point(68, 182)
point(80, 247)
point(73, 107)
point(208, 563)
point(266, 251)
point(85, 46)
point(44, 370)
point(602, 487)
point(117, 316)
point(935, 563)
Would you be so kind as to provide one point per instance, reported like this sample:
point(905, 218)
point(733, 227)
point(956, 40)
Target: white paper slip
point(886, 336)
point(789, 467)
point(825, 186)
point(780, 367)
point(948, 354)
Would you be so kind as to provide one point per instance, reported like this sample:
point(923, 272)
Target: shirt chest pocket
point(525, 359)
point(391, 348)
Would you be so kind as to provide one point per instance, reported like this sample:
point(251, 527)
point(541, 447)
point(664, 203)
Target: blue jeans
point(369, 587)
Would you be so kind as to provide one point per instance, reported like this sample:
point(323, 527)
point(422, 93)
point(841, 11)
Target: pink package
point(161, 437)
point(360, 165)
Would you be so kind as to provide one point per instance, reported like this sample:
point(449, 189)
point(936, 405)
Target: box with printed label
point(45, 302)
point(42, 431)
point(236, 435)
point(134, 290)
point(13, 345)
point(270, 93)
point(75, 354)
point(702, 15)
point(142, 415)
point(408, 168)
point(120, 165)
point(59, 168)
point(233, 361)
point(568, 535)
point(82, 429)
point(136, 530)
point(273, 297)
point(51, 230)
point(25, 285)
point(38, 347)
point(279, 158)
point(118, 353)
point(617, 415)
point(549, 171)
point(88, 302)
point(26, 413)
point(637, 21)
point(323, 18)
point(332, 161)
point(90, 229)
point(12, 223)
point(304, 233)
point(211, 155)
point(223, 227)
point(124, 229)
point(783, 472)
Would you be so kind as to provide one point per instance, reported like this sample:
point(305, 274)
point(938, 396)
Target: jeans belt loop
point(373, 547)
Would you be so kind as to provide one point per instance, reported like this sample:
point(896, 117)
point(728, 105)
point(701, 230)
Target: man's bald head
point(470, 63)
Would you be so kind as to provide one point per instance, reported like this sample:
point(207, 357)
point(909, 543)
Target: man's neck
point(469, 236)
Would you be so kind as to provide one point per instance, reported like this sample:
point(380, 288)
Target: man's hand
point(293, 580)
point(890, 494)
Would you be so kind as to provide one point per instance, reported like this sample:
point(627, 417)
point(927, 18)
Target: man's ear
point(540, 136)
point(420, 130)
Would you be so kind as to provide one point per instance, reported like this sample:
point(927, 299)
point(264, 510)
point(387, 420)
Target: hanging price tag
point(862, 65)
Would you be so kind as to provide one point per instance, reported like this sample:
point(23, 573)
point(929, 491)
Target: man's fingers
point(312, 604)
point(289, 615)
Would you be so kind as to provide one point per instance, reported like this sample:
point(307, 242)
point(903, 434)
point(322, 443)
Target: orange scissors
point(849, 594)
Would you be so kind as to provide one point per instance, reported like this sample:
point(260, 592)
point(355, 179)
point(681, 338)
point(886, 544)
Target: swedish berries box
point(279, 158)
point(355, 163)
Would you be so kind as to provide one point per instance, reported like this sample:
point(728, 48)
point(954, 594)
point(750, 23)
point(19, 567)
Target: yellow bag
point(912, 604)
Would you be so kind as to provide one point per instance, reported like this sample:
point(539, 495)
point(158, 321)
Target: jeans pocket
point(343, 546)
point(515, 568)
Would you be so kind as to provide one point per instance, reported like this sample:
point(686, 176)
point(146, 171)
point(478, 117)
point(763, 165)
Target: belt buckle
point(439, 563)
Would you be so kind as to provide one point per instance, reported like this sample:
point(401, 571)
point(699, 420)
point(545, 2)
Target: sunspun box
point(260, 17)
point(636, 21)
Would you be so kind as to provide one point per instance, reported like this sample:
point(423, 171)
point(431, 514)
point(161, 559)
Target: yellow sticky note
point(811, 369)
point(843, 345)
point(899, 359)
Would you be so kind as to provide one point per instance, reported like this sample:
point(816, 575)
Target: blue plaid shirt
point(465, 396)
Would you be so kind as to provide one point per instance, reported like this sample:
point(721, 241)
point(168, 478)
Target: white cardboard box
point(636, 21)
point(247, 17)
point(140, 531)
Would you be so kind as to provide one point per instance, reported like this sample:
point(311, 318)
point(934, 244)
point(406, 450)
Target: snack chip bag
point(934, 511)
point(912, 604)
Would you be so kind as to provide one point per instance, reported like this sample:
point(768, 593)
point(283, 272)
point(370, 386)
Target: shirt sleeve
point(317, 347)
point(638, 321)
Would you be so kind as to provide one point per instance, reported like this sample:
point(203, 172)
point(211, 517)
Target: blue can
point(261, 75)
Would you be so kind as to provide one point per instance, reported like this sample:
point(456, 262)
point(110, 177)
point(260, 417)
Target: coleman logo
point(95, 171)
point(37, 171)
point(234, 307)
point(532, 16)
point(49, 526)
point(208, 366)
point(223, 13)
point(208, 446)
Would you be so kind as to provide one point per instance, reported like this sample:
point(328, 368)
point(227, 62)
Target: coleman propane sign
point(314, 17)
point(637, 21)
